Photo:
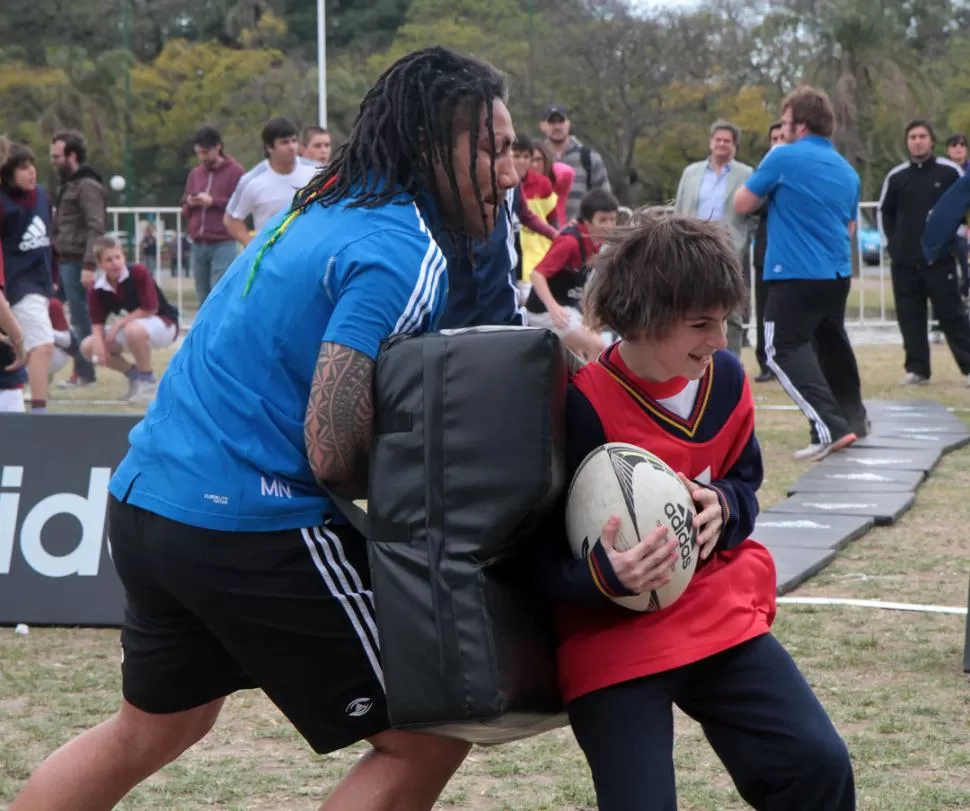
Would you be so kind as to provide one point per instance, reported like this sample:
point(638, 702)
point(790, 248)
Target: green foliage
point(642, 84)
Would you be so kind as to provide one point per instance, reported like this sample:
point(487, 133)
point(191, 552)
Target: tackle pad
point(467, 462)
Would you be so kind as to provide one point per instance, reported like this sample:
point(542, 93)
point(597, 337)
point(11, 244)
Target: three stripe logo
point(35, 236)
point(345, 584)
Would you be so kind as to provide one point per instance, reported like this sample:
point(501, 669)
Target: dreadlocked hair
point(407, 123)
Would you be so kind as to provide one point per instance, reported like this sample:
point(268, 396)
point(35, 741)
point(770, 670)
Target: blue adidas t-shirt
point(222, 446)
point(813, 195)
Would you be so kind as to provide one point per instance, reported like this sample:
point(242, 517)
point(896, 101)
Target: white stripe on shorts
point(357, 602)
point(824, 434)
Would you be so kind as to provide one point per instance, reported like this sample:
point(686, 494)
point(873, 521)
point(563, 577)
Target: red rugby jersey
point(731, 597)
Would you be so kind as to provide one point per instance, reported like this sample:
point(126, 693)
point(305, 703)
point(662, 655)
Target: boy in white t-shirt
point(268, 188)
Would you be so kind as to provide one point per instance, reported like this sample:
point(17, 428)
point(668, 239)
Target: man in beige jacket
point(707, 190)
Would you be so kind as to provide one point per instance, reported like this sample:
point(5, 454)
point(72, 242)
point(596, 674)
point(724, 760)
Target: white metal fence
point(169, 260)
point(876, 306)
point(870, 304)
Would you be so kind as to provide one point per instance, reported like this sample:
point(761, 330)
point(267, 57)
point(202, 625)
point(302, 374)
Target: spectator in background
point(25, 225)
point(810, 271)
point(316, 145)
point(560, 174)
point(776, 136)
point(558, 281)
point(79, 218)
point(588, 165)
point(207, 191)
point(706, 190)
point(149, 321)
point(268, 188)
point(946, 218)
point(148, 247)
point(956, 151)
point(537, 194)
point(65, 345)
point(909, 192)
point(13, 356)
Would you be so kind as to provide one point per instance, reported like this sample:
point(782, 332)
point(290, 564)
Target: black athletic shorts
point(290, 612)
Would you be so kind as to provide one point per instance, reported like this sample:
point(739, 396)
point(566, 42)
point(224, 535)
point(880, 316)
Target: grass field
point(892, 681)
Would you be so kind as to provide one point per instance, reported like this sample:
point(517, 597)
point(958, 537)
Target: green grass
point(892, 681)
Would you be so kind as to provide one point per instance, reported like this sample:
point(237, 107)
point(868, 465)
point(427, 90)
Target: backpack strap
point(576, 234)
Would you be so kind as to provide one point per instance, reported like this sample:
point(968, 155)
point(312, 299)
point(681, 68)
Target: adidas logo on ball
point(634, 484)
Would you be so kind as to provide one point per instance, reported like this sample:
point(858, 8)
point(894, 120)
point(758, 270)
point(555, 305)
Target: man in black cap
point(589, 167)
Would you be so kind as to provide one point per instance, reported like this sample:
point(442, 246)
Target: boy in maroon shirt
point(558, 281)
point(149, 321)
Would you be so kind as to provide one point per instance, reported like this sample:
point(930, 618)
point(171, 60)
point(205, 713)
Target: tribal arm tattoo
point(338, 427)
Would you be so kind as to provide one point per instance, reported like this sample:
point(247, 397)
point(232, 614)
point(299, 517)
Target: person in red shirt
point(560, 174)
point(669, 386)
point(148, 321)
point(558, 281)
point(537, 195)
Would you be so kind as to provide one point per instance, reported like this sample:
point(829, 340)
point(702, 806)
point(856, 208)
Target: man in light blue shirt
point(813, 196)
point(710, 197)
point(238, 570)
point(707, 190)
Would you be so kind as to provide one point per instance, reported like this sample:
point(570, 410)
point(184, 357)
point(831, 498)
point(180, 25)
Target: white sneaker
point(936, 336)
point(144, 391)
point(808, 453)
point(913, 379)
point(817, 452)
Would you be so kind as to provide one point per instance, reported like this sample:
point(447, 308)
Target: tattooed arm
point(338, 426)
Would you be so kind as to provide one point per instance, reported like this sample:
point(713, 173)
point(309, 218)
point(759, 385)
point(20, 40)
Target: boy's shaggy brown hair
point(658, 269)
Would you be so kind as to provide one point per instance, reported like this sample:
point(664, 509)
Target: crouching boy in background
point(146, 321)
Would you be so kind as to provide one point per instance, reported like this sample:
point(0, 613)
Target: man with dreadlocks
point(238, 570)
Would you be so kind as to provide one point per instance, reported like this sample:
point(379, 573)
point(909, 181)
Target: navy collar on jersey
point(634, 386)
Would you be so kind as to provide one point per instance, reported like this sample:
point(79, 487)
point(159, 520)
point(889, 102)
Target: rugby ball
point(644, 492)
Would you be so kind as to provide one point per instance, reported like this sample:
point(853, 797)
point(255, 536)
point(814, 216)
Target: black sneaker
point(766, 376)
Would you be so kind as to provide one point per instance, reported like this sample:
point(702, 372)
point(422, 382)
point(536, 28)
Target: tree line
point(642, 84)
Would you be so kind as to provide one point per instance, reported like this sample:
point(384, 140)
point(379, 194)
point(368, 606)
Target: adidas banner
point(55, 554)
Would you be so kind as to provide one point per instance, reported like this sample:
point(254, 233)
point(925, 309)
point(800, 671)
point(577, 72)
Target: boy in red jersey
point(560, 277)
point(667, 286)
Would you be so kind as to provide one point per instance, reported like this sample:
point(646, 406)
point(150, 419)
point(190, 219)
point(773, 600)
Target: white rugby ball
point(644, 492)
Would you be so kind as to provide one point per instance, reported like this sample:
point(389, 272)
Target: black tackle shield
point(467, 462)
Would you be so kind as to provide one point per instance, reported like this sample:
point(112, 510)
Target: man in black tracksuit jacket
point(909, 192)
